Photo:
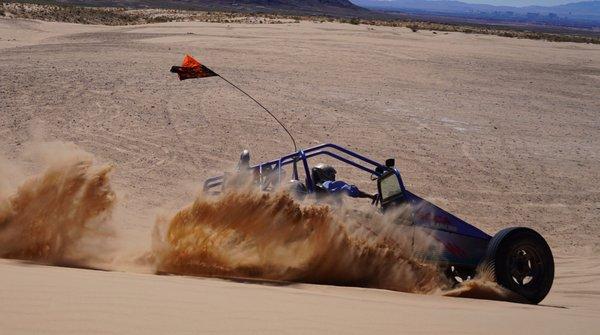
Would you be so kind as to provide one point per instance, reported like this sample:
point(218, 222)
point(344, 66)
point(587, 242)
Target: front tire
point(522, 262)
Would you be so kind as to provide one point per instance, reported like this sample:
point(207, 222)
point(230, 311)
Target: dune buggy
point(519, 257)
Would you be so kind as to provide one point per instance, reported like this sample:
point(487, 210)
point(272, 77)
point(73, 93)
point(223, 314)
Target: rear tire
point(522, 262)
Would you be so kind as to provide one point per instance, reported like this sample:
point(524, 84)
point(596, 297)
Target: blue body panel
point(459, 243)
point(428, 215)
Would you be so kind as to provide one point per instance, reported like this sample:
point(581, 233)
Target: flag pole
point(263, 107)
point(191, 68)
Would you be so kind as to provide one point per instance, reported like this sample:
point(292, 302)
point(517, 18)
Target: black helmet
point(322, 173)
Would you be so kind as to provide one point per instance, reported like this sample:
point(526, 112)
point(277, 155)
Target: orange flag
point(191, 68)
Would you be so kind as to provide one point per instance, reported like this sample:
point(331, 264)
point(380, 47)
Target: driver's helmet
point(322, 173)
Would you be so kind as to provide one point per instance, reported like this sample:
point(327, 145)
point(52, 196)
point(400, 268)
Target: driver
point(323, 176)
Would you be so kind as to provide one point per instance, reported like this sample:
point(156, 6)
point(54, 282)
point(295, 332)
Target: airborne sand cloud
point(51, 215)
point(63, 216)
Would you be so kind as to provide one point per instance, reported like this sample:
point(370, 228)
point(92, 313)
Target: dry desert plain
point(499, 131)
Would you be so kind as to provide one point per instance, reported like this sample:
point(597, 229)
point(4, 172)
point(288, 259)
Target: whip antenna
point(191, 68)
point(266, 110)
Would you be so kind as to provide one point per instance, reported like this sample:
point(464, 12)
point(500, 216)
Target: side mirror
point(390, 162)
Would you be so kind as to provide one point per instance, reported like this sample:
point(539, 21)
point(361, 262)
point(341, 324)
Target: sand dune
point(499, 131)
point(60, 300)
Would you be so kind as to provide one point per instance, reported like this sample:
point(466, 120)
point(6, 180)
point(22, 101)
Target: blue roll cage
point(329, 149)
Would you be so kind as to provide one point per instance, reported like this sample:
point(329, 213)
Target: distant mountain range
point(342, 7)
point(585, 11)
point(579, 15)
point(441, 6)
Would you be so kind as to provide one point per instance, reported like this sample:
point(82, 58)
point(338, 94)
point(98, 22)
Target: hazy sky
point(521, 3)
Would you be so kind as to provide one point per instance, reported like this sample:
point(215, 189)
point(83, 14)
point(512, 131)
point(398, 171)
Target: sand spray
point(64, 216)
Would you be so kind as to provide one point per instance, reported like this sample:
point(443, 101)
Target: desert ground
point(499, 131)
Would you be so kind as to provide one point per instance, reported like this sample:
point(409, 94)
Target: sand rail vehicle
point(519, 257)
